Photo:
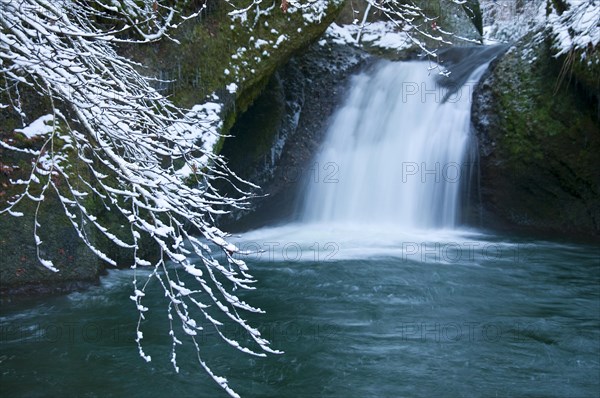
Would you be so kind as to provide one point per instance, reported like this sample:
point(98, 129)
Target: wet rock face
point(538, 143)
point(308, 90)
point(20, 270)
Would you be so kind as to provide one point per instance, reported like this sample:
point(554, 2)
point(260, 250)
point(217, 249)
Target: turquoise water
point(385, 319)
point(364, 304)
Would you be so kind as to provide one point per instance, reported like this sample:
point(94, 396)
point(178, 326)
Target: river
point(376, 291)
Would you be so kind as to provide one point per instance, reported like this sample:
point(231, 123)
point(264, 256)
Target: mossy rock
point(195, 68)
point(20, 268)
point(199, 65)
point(539, 139)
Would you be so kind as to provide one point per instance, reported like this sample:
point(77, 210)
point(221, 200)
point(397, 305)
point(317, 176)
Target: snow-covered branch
point(417, 23)
point(144, 159)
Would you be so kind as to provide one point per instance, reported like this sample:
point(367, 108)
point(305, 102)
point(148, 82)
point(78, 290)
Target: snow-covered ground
point(504, 22)
point(577, 28)
point(382, 34)
point(40, 126)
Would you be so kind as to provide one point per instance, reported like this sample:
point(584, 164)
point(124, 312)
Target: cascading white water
point(395, 152)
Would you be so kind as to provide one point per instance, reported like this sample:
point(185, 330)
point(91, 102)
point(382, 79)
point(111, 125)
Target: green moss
point(546, 143)
point(535, 107)
point(585, 69)
point(196, 66)
point(19, 265)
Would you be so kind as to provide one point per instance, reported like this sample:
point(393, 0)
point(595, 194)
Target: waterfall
point(395, 152)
